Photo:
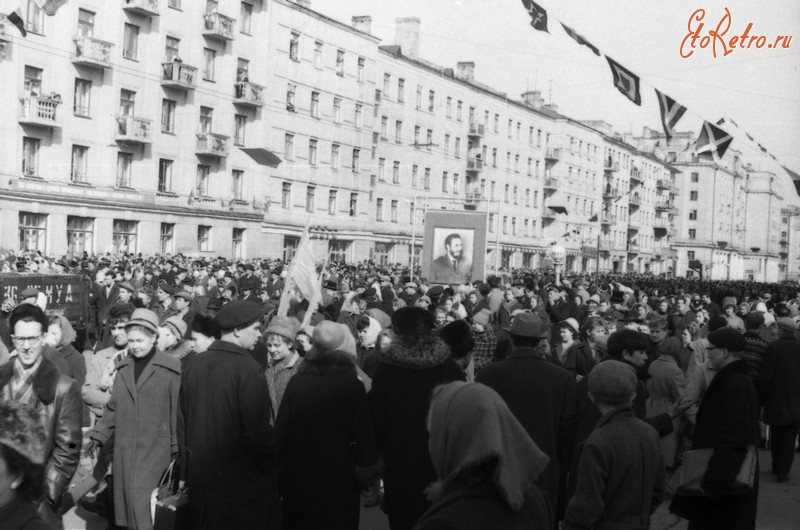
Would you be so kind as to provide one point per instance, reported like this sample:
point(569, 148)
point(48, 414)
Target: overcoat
point(727, 421)
point(779, 382)
point(142, 415)
point(228, 449)
point(325, 442)
point(542, 396)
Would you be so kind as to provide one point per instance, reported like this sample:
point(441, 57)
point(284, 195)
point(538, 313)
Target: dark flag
point(712, 142)
point(626, 81)
point(671, 113)
point(538, 15)
point(580, 39)
point(15, 17)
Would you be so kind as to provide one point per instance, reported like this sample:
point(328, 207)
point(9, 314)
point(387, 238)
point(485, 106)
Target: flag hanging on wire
point(50, 6)
point(712, 142)
point(538, 15)
point(626, 81)
point(671, 113)
point(11, 10)
point(580, 39)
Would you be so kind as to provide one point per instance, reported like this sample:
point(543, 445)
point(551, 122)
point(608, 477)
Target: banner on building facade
point(454, 248)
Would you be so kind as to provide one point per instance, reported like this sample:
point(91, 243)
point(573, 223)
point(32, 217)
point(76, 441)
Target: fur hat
point(330, 336)
point(284, 326)
point(484, 316)
point(612, 382)
point(412, 321)
point(458, 337)
point(22, 432)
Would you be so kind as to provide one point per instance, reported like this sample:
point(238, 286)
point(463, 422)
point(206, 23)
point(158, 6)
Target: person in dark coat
point(779, 390)
point(486, 463)
point(409, 369)
point(228, 449)
point(542, 397)
point(727, 422)
point(326, 443)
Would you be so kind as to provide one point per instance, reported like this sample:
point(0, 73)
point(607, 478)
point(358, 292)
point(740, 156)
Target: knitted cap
point(482, 317)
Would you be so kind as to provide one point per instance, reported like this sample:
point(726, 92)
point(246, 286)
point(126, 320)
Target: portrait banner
point(454, 248)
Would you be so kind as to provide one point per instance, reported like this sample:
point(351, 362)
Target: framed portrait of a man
point(454, 248)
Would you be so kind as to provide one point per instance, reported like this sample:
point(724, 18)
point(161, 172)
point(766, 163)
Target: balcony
point(633, 247)
point(667, 207)
point(608, 245)
point(91, 52)
point(636, 177)
point(664, 184)
point(472, 199)
point(248, 94)
point(474, 163)
point(134, 130)
point(476, 130)
point(148, 8)
point(550, 184)
point(552, 154)
point(634, 200)
point(178, 75)
point(610, 193)
point(216, 26)
point(610, 166)
point(607, 218)
point(40, 111)
point(661, 225)
point(212, 144)
point(634, 225)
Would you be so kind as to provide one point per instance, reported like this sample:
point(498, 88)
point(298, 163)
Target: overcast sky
point(759, 89)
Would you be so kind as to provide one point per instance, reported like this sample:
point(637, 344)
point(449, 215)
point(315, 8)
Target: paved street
point(778, 508)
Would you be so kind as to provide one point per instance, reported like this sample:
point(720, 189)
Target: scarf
point(21, 383)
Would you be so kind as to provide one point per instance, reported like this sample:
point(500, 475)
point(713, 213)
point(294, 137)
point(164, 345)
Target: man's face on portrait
point(455, 249)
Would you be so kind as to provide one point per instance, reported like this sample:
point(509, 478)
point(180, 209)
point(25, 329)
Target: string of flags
point(12, 10)
point(712, 141)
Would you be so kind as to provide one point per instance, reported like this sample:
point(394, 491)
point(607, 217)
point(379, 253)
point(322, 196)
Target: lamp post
point(558, 253)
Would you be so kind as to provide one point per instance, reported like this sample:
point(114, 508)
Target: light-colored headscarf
point(470, 423)
point(372, 332)
point(68, 333)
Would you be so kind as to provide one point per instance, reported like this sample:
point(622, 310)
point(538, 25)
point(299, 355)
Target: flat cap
point(529, 325)
point(436, 290)
point(727, 338)
point(166, 287)
point(237, 314)
point(127, 286)
point(612, 382)
point(183, 294)
point(28, 292)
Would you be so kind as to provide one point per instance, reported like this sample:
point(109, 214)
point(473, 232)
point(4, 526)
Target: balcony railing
point(610, 193)
point(474, 164)
point(249, 94)
point(634, 200)
point(476, 129)
point(553, 154)
point(179, 75)
point(636, 177)
point(551, 184)
point(148, 8)
point(611, 166)
point(666, 206)
point(92, 52)
point(216, 26)
point(664, 184)
point(134, 130)
point(634, 225)
point(608, 218)
point(40, 111)
point(212, 144)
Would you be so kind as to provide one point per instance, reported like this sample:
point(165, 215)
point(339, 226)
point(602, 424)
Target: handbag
point(695, 465)
point(169, 506)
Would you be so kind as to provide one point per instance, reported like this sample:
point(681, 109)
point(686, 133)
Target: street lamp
point(558, 253)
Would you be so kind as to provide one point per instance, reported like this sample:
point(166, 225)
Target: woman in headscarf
point(22, 471)
point(665, 389)
point(486, 464)
point(368, 331)
point(61, 335)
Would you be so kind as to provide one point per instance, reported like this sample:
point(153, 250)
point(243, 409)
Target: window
point(33, 81)
point(419, 97)
point(312, 152)
point(510, 124)
point(340, 63)
point(448, 109)
point(203, 173)
point(315, 104)
point(513, 226)
point(457, 148)
point(174, 4)
point(360, 72)
point(377, 103)
point(85, 23)
point(206, 116)
point(393, 211)
point(493, 189)
point(165, 175)
point(286, 195)
point(414, 176)
point(332, 202)
point(30, 157)
point(690, 254)
point(167, 240)
point(356, 160)
point(693, 195)
point(130, 45)
point(124, 235)
point(237, 181)
point(242, 70)
point(692, 233)
point(245, 17)
point(80, 234)
point(530, 167)
point(353, 204)
point(515, 197)
point(209, 58)
point(34, 21)
point(168, 115)
point(491, 222)
point(32, 232)
point(337, 110)
point(401, 86)
point(527, 197)
point(124, 163)
point(496, 123)
point(431, 100)
point(427, 181)
point(290, 92)
point(506, 193)
point(382, 169)
point(317, 54)
point(445, 182)
point(384, 125)
point(237, 242)
point(494, 157)
point(334, 156)
point(398, 131)
point(695, 176)
point(505, 224)
point(294, 46)
point(693, 215)
point(310, 191)
point(240, 122)
point(357, 120)
point(459, 106)
point(288, 146)
point(80, 155)
point(379, 210)
point(446, 144)
point(416, 135)
point(203, 238)
point(429, 140)
point(127, 102)
point(171, 49)
point(455, 183)
point(516, 163)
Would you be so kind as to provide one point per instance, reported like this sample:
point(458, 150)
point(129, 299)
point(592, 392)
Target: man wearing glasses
point(34, 381)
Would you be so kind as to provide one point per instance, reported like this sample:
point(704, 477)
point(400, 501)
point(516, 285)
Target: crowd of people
point(523, 401)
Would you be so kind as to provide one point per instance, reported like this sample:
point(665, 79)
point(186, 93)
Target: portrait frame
point(471, 229)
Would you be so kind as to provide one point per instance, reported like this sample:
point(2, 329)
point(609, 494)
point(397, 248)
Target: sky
point(758, 88)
